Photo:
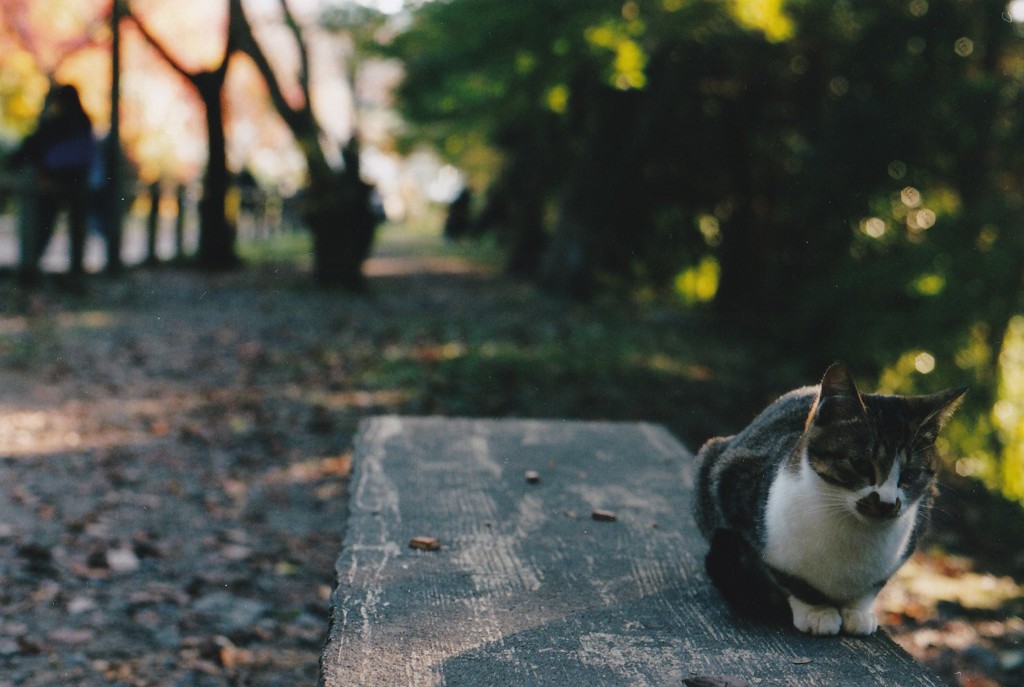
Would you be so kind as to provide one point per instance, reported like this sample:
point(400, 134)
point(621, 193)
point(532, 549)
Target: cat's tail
point(704, 508)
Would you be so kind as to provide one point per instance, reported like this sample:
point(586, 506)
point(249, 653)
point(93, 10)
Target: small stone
point(230, 614)
point(122, 560)
point(72, 636)
point(424, 543)
point(81, 604)
point(235, 552)
point(9, 647)
point(603, 516)
point(1011, 660)
point(532, 476)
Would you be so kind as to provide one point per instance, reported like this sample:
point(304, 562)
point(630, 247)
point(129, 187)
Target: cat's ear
point(838, 400)
point(935, 409)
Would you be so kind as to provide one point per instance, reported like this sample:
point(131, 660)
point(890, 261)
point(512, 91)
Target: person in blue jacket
point(59, 155)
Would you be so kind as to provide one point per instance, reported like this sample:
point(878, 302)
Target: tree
point(657, 133)
point(216, 232)
point(111, 202)
point(337, 208)
point(336, 204)
point(481, 75)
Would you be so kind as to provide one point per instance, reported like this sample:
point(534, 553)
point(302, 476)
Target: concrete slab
point(527, 589)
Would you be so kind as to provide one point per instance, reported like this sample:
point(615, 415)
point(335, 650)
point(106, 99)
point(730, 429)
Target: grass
point(482, 345)
point(295, 247)
point(409, 240)
point(478, 344)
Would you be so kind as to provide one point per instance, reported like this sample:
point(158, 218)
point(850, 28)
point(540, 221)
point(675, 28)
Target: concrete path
point(528, 589)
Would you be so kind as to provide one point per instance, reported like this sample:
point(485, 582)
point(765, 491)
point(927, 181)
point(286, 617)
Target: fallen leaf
point(286, 568)
point(229, 655)
point(424, 543)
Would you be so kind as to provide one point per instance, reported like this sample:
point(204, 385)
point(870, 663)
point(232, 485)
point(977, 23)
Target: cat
point(820, 500)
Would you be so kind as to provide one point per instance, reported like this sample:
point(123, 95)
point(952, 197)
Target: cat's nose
point(873, 506)
point(887, 509)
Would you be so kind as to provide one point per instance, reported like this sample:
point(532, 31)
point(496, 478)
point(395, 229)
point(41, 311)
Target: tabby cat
point(819, 500)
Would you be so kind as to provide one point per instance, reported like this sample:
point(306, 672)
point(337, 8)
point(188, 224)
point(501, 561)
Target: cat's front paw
point(859, 622)
point(815, 620)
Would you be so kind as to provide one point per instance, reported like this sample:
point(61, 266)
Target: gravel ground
point(173, 457)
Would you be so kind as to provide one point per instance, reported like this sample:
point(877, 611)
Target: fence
point(160, 224)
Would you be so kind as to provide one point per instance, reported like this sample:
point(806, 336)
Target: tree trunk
point(216, 233)
point(343, 224)
point(112, 192)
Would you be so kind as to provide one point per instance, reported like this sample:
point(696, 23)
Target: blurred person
point(59, 156)
point(456, 225)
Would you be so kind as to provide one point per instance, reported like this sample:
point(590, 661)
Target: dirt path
point(173, 456)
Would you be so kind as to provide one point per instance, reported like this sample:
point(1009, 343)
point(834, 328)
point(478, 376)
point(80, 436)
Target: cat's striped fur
point(813, 506)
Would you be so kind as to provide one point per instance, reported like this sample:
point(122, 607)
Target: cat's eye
point(910, 475)
point(863, 467)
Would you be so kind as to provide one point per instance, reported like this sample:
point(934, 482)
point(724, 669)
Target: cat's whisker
point(842, 510)
point(835, 503)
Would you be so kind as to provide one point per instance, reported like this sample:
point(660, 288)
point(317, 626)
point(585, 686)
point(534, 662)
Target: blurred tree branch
point(300, 119)
point(338, 207)
point(49, 57)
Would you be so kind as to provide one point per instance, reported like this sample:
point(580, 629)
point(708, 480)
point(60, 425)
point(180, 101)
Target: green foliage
point(852, 169)
point(522, 356)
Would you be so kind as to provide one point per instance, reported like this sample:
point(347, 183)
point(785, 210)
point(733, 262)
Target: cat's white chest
point(813, 533)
